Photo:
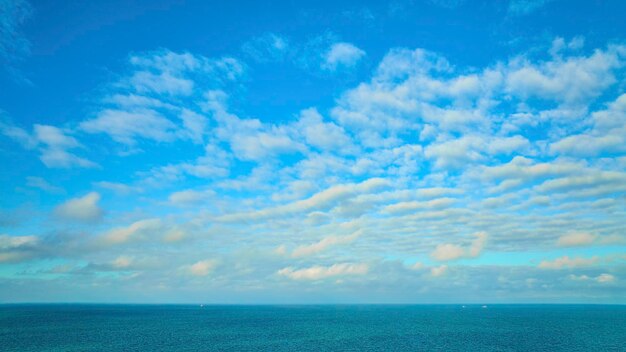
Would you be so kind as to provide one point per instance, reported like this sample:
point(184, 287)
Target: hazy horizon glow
point(420, 152)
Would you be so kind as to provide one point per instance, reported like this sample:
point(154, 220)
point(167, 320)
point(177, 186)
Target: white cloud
point(164, 82)
point(576, 239)
point(462, 152)
point(323, 244)
point(342, 55)
point(606, 135)
point(189, 196)
point(202, 268)
point(322, 200)
point(84, 208)
point(56, 143)
point(449, 251)
point(17, 248)
point(195, 125)
point(411, 206)
point(605, 278)
point(323, 135)
point(602, 278)
point(321, 272)
point(135, 231)
point(52, 142)
point(155, 100)
point(250, 139)
point(477, 245)
point(567, 262)
point(126, 126)
point(258, 146)
point(571, 80)
point(392, 158)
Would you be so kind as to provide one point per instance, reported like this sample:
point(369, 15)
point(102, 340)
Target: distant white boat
point(484, 306)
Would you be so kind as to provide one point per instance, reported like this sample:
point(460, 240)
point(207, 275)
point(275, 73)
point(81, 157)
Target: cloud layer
point(425, 179)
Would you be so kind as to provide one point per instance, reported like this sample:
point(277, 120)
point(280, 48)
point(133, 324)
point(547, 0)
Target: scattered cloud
point(136, 231)
point(449, 251)
point(52, 143)
point(188, 197)
point(342, 55)
point(17, 248)
point(567, 262)
point(84, 208)
point(576, 239)
point(528, 149)
point(602, 278)
point(202, 268)
point(322, 272)
point(323, 244)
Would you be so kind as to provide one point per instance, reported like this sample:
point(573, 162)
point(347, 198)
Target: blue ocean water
point(312, 328)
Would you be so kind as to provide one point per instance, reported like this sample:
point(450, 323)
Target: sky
point(287, 152)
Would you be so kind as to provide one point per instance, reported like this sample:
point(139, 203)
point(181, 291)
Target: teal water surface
point(312, 328)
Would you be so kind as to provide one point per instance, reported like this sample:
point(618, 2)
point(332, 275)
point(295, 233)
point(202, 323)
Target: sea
point(75, 327)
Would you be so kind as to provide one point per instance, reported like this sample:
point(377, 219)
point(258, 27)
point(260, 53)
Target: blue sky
point(313, 152)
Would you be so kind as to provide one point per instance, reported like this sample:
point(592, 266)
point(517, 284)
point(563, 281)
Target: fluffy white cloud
point(607, 133)
point(250, 139)
point(449, 251)
point(323, 135)
point(342, 54)
point(147, 104)
point(605, 278)
point(84, 208)
point(415, 156)
point(202, 268)
point(322, 272)
point(571, 80)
